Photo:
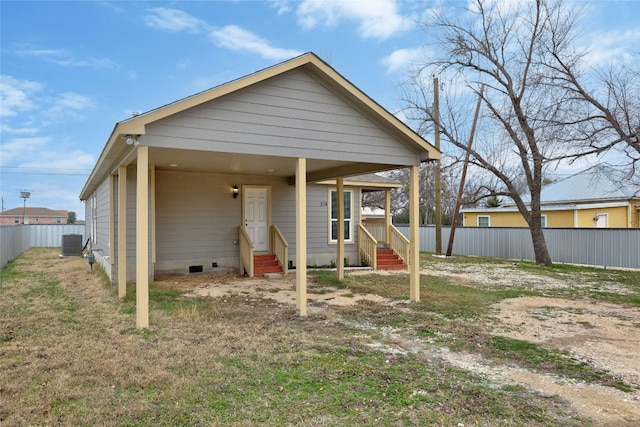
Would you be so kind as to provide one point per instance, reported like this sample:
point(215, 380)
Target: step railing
point(400, 244)
point(246, 252)
point(280, 248)
point(367, 247)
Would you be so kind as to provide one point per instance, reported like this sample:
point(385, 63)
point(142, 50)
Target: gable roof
point(308, 62)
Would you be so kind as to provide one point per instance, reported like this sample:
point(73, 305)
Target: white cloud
point(613, 47)
point(235, 38)
point(230, 37)
point(379, 19)
point(282, 6)
point(44, 153)
point(402, 59)
point(67, 106)
point(16, 95)
point(174, 20)
point(19, 150)
point(24, 130)
point(65, 58)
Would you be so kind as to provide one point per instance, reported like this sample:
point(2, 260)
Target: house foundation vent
point(195, 269)
point(71, 245)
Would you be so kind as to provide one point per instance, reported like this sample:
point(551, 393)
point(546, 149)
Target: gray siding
point(320, 251)
point(102, 235)
point(102, 242)
point(291, 116)
point(131, 226)
point(197, 221)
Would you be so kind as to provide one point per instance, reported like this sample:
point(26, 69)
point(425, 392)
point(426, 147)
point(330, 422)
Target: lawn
point(70, 355)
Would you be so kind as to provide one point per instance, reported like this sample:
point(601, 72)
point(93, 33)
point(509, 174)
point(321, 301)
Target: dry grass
point(70, 355)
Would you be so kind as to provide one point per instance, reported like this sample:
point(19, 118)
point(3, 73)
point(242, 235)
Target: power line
point(42, 168)
point(25, 170)
point(46, 173)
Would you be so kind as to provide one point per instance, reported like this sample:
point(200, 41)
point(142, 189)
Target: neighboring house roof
point(115, 149)
point(598, 183)
point(33, 212)
point(370, 181)
point(372, 212)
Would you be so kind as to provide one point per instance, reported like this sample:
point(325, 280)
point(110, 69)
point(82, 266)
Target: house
point(259, 165)
point(26, 215)
point(598, 197)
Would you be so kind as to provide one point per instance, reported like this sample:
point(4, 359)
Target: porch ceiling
point(243, 164)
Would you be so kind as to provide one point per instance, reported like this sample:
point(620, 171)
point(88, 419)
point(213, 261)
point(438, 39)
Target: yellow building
point(594, 198)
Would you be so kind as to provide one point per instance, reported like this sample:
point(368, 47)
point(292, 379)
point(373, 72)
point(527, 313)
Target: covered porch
point(238, 168)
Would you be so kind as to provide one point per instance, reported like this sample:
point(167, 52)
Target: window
point(16, 220)
point(484, 221)
point(348, 217)
point(58, 220)
point(543, 221)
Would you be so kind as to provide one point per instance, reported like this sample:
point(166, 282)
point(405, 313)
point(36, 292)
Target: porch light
point(131, 140)
point(236, 191)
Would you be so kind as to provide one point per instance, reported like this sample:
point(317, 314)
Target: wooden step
point(388, 260)
point(266, 263)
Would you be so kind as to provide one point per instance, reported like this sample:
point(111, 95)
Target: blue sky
point(71, 70)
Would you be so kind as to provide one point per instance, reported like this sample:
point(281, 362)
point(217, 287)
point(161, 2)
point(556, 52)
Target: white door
point(602, 220)
point(256, 217)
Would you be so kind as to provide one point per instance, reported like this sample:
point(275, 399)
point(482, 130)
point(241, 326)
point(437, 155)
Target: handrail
point(367, 247)
point(400, 244)
point(246, 252)
point(280, 248)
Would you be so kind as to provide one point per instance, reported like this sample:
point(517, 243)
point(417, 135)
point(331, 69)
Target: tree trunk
point(539, 245)
point(540, 250)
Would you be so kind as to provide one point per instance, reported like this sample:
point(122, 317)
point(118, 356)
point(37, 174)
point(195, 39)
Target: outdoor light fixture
point(236, 191)
point(131, 140)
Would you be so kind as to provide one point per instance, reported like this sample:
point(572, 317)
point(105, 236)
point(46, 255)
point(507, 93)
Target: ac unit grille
point(71, 245)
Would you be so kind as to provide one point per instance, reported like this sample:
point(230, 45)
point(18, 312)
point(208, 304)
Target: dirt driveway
point(607, 335)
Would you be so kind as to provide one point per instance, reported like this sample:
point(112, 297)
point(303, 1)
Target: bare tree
point(537, 110)
point(400, 196)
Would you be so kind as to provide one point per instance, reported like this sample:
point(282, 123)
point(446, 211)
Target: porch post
point(340, 223)
point(387, 216)
point(301, 236)
point(142, 238)
point(112, 220)
point(122, 232)
point(414, 236)
point(152, 198)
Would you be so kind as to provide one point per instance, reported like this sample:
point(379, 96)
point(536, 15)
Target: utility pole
point(436, 119)
point(464, 173)
point(24, 195)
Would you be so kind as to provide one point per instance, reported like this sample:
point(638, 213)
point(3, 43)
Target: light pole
point(24, 195)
